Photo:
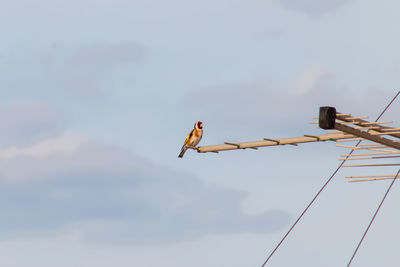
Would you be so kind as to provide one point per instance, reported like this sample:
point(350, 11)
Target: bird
point(193, 138)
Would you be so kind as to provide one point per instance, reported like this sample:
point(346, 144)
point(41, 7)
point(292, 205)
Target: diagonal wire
point(373, 218)
point(323, 187)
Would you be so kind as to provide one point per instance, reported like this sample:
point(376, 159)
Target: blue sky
point(97, 98)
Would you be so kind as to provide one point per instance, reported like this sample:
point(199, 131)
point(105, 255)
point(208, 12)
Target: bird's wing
point(188, 137)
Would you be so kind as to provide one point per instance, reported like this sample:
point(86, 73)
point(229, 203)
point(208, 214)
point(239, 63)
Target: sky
point(97, 98)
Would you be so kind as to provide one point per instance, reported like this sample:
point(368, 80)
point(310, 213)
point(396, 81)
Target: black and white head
point(198, 125)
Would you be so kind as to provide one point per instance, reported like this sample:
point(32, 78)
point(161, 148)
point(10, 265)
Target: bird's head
point(198, 125)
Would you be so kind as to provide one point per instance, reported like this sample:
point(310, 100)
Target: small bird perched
point(193, 138)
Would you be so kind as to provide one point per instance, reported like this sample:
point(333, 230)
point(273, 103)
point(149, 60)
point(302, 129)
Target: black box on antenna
point(327, 117)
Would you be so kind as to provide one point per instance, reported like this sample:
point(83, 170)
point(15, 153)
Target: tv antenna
point(382, 143)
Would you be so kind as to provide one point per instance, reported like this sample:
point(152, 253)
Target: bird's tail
point(184, 148)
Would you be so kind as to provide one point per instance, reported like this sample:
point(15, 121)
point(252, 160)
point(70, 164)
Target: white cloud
point(70, 179)
point(275, 108)
point(67, 143)
point(312, 78)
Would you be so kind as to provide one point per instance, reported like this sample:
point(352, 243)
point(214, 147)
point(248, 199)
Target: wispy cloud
point(85, 69)
point(314, 7)
point(26, 123)
point(277, 106)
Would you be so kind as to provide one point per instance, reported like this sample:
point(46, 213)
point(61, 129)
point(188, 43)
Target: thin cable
point(394, 98)
point(373, 218)
point(323, 187)
point(309, 205)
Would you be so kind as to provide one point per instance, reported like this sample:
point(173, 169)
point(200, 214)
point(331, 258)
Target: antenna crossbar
point(274, 142)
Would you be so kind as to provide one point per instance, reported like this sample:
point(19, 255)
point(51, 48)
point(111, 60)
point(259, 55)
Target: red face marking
point(200, 125)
